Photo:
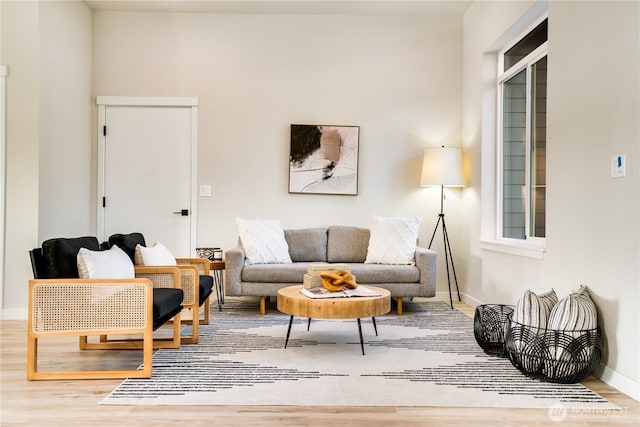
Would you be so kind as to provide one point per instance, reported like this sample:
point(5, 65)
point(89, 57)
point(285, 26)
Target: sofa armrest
point(233, 263)
point(426, 261)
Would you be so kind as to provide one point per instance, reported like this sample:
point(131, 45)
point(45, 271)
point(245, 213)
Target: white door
point(147, 183)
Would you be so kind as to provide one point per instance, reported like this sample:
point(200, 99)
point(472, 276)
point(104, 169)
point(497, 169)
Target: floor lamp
point(443, 167)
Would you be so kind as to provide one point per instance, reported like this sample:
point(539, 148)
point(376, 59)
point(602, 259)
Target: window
point(522, 91)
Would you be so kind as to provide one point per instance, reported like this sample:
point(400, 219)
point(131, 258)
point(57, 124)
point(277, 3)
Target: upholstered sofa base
point(335, 244)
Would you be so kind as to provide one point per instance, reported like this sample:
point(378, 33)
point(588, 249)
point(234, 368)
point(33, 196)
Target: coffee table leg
point(375, 328)
point(360, 332)
point(286, 341)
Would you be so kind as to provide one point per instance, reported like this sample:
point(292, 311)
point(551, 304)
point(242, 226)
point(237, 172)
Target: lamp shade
point(442, 166)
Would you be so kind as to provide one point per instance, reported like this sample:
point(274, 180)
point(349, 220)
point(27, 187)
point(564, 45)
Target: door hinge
point(104, 131)
point(104, 202)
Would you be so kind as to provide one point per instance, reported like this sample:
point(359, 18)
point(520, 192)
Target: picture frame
point(323, 159)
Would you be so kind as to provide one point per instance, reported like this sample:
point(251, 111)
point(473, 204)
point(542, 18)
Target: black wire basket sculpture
point(490, 326)
point(557, 356)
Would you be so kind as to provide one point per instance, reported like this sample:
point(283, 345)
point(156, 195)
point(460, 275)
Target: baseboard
point(13, 314)
point(470, 301)
point(618, 381)
point(444, 296)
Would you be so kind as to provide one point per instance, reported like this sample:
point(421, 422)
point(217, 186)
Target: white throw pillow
point(263, 241)
point(393, 240)
point(111, 264)
point(157, 254)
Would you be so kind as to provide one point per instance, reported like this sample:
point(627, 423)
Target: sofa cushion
point(385, 273)
point(263, 241)
point(111, 264)
point(206, 287)
point(61, 255)
point(275, 273)
point(393, 240)
point(166, 304)
point(308, 244)
point(347, 244)
point(157, 254)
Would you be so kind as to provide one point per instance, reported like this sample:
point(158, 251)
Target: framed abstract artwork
point(324, 159)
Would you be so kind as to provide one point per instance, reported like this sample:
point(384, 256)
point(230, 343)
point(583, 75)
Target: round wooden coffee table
point(294, 303)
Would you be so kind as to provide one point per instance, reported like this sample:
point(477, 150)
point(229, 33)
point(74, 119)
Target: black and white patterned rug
point(427, 357)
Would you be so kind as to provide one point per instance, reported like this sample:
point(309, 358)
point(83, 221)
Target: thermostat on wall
point(618, 166)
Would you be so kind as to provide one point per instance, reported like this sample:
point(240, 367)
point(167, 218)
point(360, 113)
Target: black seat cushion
point(60, 255)
point(128, 243)
point(167, 302)
point(206, 287)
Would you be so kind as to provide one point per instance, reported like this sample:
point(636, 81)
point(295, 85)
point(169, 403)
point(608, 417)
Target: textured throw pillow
point(393, 240)
point(575, 312)
point(534, 310)
point(111, 264)
point(263, 241)
point(157, 254)
point(573, 315)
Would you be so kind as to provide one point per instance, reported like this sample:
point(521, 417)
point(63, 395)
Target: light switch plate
point(618, 166)
point(205, 191)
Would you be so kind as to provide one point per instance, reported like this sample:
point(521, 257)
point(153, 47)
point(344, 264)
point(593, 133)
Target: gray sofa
point(335, 244)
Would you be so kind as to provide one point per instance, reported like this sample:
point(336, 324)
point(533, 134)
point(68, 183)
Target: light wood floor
point(66, 403)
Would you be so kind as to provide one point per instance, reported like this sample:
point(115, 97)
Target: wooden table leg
point(360, 332)
point(288, 332)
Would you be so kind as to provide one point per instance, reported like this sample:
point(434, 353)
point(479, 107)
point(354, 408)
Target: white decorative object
point(157, 254)
point(393, 240)
point(263, 241)
point(111, 264)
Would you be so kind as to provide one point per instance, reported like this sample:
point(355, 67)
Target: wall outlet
point(618, 166)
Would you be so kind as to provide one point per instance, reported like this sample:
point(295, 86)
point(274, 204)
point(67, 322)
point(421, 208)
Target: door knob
point(183, 212)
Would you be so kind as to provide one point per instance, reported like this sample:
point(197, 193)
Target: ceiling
point(314, 7)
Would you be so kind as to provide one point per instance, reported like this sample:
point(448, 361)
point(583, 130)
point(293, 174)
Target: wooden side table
point(292, 302)
point(217, 271)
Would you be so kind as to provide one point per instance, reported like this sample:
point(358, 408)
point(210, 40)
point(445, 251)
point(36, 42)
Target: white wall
point(595, 241)
point(46, 46)
point(397, 77)
point(66, 137)
point(592, 220)
point(19, 52)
